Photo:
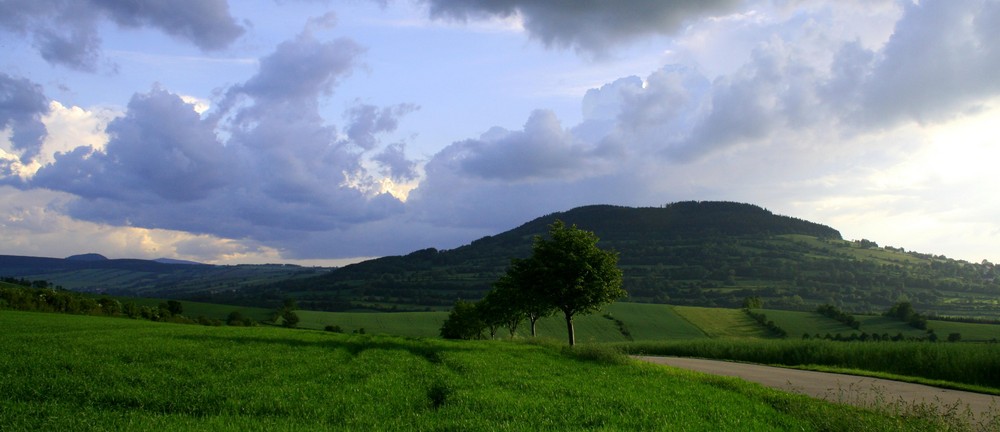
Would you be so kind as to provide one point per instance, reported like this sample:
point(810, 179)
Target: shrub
point(290, 319)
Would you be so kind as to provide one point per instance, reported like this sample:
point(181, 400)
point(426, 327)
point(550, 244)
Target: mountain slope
point(694, 253)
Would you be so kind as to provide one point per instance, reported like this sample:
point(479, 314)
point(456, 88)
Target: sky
point(324, 132)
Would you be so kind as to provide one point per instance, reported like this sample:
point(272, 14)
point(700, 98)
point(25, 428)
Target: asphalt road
point(848, 389)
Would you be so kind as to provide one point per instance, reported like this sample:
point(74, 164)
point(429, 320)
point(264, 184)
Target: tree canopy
point(574, 275)
point(566, 272)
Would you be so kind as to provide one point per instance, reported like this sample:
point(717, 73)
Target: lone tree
point(573, 274)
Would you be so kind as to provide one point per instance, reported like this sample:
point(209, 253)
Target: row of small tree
point(567, 272)
point(41, 296)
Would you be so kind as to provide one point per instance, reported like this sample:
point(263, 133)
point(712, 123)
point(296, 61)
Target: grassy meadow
point(71, 372)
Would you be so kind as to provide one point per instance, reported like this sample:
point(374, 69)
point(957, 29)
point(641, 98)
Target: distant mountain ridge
point(177, 261)
point(162, 278)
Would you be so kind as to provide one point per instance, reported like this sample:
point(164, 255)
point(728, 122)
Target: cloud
point(65, 32)
point(395, 163)
point(936, 65)
point(794, 122)
point(34, 223)
point(367, 121)
point(792, 110)
point(301, 69)
point(941, 60)
point(263, 165)
point(543, 149)
point(205, 23)
point(22, 105)
point(161, 147)
point(592, 26)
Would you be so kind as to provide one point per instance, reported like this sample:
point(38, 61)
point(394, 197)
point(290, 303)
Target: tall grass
point(64, 372)
point(975, 364)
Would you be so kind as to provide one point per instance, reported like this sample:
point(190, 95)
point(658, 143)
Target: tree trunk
point(569, 329)
point(533, 320)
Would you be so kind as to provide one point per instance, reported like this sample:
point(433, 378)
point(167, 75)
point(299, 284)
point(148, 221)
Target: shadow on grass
point(354, 345)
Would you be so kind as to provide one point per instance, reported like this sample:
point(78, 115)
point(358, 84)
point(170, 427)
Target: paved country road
point(856, 390)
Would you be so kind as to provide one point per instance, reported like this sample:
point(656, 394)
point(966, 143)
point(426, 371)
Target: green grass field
point(80, 373)
point(797, 323)
point(970, 332)
point(643, 321)
point(412, 324)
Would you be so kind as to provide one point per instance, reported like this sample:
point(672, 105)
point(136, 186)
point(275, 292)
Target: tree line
point(42, 296)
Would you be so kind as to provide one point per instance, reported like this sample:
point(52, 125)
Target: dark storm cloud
point(65, 31)
point(22, 105)
point(589, 25)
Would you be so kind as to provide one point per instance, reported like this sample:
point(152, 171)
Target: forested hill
point(661, 248)
point(689, 219)
point(693, 253)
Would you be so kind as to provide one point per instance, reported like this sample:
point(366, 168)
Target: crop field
point(654, 321)
point(410, 324)
point(968, 331)
point(797, 323)
point(721, 323)
point(79, 373)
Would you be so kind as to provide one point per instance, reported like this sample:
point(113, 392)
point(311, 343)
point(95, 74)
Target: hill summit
point(684, 240)
point(680, 220)
point(88, 257)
